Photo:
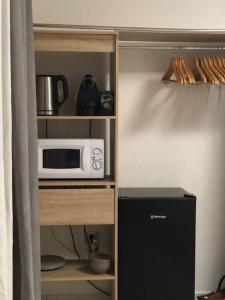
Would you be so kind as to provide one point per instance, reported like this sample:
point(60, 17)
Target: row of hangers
point(201, 70)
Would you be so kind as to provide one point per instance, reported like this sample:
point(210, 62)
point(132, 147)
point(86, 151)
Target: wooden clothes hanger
point(205, 70)
point(180, 73)
point(221, 74)
point(211, 78)
point(180, 67)
point(188, 70)
point(184, 71)
point(199, 72)
point(214, 70)
point(221, 63)
point(174, 69)
point(218, 63)
point(167, 76)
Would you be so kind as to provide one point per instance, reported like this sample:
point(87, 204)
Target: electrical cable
point(90, 129)
point(74, 243)
point(86, 237)
point(99, 289)
point(46, 128)
point(60, 242)
point(75, 248)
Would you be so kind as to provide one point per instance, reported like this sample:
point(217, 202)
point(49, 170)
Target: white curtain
point(5, 155)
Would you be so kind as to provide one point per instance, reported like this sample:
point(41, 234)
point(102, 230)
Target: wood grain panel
point(74, 270)
point(71, 42)
point(76, 206)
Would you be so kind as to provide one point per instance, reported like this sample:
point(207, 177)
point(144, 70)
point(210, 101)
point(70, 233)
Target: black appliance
point(156, 244)
point(88, 97)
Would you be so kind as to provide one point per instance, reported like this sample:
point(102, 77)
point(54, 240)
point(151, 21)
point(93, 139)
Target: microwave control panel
point(97, 158)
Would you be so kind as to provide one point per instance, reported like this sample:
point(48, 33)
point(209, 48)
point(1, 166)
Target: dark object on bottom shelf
point(51, 262)
point(156, 244)
point(218, 295)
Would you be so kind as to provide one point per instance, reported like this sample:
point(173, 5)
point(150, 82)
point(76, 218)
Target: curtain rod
point(150, 45)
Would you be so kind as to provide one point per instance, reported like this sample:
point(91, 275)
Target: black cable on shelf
point(78, 255)
point(86, 237)
point(46, 128)
point(90, 129)
point(74, 243)
point(97, 288)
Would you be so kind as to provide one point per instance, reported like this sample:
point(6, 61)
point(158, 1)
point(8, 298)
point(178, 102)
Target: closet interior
point(197, 59)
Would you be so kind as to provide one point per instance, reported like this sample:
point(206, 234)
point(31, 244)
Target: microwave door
point(65, 162)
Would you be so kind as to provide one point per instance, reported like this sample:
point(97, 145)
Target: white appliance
point(71, 158)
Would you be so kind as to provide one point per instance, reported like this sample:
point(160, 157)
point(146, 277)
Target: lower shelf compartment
point(74, 270)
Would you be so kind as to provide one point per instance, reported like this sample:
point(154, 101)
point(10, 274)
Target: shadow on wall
point(182, 108)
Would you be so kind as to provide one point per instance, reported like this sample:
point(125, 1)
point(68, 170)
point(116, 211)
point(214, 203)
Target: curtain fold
point(26, 249)
point(5, 156)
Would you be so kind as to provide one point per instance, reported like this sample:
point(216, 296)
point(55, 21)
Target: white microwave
point(70, 158)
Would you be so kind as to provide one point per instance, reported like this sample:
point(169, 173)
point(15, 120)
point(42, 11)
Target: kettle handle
point(65, 87)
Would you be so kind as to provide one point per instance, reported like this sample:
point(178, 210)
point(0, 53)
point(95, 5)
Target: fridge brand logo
point(157, 217)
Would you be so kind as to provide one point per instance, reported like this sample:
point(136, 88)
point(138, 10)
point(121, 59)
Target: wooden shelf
point(72, 40)
point(78, 182)
point(76, 117)
point(74, 271)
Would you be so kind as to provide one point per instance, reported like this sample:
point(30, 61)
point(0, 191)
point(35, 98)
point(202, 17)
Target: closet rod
point(169, 46)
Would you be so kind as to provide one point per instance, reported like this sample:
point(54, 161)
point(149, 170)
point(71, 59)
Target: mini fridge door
point(156, 248)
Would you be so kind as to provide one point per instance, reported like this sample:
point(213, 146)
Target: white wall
point(145, 13)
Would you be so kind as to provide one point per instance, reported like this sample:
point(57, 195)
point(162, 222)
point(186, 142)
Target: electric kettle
point(52, 91)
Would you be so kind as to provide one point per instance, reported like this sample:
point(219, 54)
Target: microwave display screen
point(61, 158)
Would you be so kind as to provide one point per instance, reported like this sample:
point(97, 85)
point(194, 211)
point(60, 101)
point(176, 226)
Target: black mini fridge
point(156, 244)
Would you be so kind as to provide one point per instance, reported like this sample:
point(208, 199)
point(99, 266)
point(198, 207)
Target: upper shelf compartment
point(74, 40)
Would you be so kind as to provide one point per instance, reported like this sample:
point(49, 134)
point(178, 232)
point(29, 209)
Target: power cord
point(46, 128)
point(97, 288)
point(59, 241)
point(74, 243)
point(78, 255)
point(86, 237)
point(90, 129)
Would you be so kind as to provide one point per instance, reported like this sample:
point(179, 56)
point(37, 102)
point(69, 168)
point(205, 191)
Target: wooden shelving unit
point(79, 202)
point(74, 271)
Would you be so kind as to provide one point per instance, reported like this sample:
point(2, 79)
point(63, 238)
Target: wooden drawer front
point(71, 42)
point(75, 207)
